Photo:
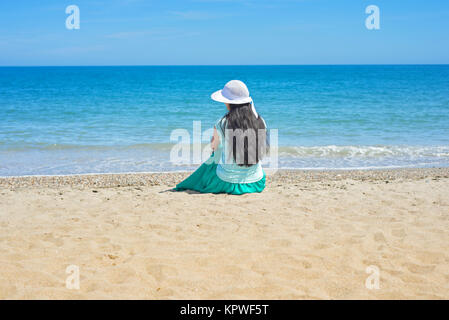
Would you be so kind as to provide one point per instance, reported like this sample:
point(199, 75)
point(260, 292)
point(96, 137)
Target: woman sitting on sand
point(239, 144)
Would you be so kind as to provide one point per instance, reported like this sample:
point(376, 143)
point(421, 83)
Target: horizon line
point(228, 65)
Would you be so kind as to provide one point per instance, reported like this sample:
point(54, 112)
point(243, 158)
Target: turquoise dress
point(216, 175)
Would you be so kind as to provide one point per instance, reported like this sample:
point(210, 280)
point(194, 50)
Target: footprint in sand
point(7, 290)
point(347, 227)
point(160, 272)
point(410, 278)
point(379, 237)
point(420, 269)
point(303, 209)
point(430, 258)
point(280, 243)
point(318, 225)
point(321, 246)
point(306, 264)
point(230, 269)
point(91, 286)
point(120, 275)
point(48, 237)
point(164, 292)
point(400, 233)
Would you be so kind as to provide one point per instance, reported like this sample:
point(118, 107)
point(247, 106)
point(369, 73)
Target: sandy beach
point(309, 235)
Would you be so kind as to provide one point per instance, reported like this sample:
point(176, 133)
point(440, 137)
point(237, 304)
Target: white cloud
point(193, 15)
point(155, 34)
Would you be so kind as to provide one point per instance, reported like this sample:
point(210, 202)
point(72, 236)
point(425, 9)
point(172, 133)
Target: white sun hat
point(234, 92)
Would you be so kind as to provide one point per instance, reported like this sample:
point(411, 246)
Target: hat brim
point(218, 96)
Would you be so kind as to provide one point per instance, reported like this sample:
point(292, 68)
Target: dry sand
point(309, 235)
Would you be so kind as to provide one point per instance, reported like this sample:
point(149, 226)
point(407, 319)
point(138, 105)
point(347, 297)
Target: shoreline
point(111, 180)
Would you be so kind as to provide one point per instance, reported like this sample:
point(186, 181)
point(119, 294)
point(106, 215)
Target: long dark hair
point(241, 118)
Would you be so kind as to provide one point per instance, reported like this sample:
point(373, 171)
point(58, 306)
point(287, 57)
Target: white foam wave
point(378, 151)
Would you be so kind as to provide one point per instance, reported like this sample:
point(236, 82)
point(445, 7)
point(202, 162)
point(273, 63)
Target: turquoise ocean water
point(66, 120)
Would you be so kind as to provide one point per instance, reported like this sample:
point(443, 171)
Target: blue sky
point(224, 32)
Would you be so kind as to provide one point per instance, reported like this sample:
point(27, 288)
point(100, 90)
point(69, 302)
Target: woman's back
point(239, 144)
point(228, 169)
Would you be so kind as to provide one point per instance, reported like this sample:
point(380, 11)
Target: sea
point(79, 120)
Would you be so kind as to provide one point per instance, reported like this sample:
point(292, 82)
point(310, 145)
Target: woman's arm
point(215, 142)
